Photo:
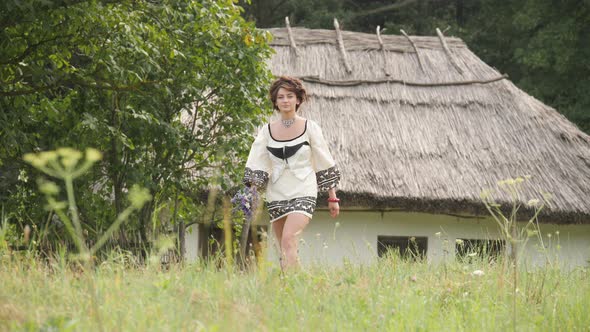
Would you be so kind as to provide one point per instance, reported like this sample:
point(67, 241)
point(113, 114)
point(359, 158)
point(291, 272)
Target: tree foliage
point(169, 90)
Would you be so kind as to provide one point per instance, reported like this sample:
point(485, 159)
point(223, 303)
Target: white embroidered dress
point(291, 171)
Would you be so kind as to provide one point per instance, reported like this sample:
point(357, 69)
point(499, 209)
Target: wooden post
point(291, 38)
point(415, 49)
point(382, 48)
point(341, 46)
point(448, 51)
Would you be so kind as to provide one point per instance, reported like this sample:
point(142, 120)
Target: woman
point(291, 161)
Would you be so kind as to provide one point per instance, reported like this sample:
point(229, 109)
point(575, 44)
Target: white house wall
point(353, 237)
point(192, 243)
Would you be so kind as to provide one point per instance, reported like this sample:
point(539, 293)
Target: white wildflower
point(478, 273)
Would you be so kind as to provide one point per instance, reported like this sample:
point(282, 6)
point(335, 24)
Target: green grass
point(389, 295)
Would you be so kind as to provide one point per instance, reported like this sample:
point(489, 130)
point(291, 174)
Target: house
point(420, 127)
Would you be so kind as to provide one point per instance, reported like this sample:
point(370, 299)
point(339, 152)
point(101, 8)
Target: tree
point(170, 91)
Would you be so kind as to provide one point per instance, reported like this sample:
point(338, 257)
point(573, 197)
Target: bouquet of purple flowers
point(246, 200)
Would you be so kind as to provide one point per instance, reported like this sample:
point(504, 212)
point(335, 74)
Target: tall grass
point(391, 294)
point(60, 294)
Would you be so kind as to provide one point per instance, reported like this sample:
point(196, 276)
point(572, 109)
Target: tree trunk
point(204, 240)
point(115, 158)
point(181, 240)
point(145, 216)
point(116, 176)
point(181, 230)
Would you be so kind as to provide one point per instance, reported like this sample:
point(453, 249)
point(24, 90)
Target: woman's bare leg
point(277, 227)
point(292, 228)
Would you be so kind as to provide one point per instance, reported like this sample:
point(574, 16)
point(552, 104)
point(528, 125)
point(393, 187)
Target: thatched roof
point(416, 126)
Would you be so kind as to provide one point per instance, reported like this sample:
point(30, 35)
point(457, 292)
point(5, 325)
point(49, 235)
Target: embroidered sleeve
point(327, 173)
point(258, 165)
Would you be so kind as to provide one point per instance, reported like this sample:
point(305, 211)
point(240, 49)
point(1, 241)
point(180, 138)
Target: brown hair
point(290, 84)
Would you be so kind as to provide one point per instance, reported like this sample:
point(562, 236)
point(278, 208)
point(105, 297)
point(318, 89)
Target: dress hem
point(290, 212)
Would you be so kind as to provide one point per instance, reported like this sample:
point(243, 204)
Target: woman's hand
point(334, 208)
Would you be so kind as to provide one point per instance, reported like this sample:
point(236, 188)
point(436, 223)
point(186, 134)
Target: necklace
point(288, 123)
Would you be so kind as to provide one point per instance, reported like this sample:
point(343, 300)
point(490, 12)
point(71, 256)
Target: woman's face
point(286, 100)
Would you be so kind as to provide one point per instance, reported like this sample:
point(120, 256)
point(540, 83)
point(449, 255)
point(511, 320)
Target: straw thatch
point(422, 125)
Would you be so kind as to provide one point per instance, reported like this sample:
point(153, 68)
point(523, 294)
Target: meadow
point(391, 294)
point(110, 290)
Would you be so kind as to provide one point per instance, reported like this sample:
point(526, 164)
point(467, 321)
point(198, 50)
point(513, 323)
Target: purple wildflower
point(245, 200)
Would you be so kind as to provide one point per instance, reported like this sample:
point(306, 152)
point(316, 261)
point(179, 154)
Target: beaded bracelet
point(334, 200)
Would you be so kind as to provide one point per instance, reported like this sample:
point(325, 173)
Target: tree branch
point(91, 85)
point(32, 48)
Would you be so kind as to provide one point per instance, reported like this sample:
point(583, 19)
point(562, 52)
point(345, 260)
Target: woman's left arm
point(327, 174)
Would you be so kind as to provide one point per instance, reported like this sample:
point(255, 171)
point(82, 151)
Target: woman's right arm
point(258, 165)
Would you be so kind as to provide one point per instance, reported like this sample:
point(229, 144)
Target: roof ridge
point(354, 39)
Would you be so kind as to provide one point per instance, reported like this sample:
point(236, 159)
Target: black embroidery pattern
point(276, 209)
point(328, 178)
point(258, 178)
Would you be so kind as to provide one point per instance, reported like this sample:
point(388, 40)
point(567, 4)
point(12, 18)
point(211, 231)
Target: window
point(409, 247)
point(467, 249)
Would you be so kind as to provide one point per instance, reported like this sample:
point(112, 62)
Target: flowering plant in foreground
point(246, 200)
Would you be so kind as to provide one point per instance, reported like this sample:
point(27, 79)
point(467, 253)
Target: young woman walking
point(290, 160)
